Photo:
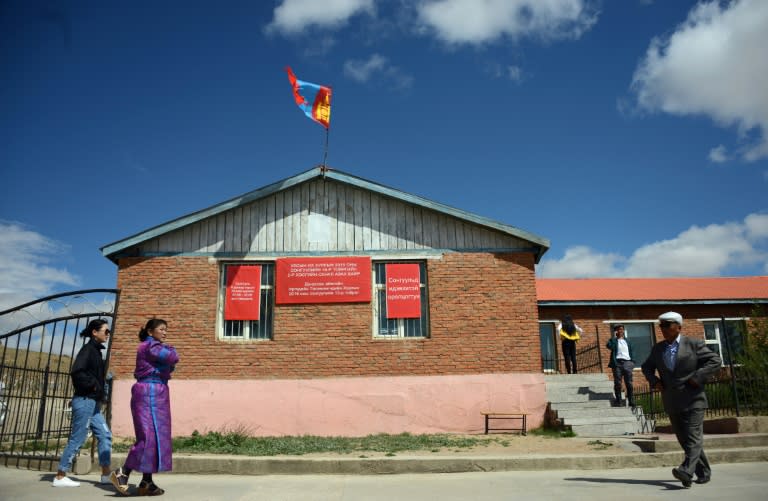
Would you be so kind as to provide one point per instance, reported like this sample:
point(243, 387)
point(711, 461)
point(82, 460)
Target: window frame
point(378, 291)
point(549, 366)
point(718, 341)
point(266, 305)
point(627, 324)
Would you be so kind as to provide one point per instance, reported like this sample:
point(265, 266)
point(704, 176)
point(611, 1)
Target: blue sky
point(633, 134)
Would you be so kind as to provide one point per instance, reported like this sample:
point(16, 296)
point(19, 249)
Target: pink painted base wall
point(354, 406)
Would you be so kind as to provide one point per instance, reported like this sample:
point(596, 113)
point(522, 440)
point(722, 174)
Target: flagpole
point(325, 153)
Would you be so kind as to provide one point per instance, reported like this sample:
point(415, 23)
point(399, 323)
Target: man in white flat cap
point(683, 365)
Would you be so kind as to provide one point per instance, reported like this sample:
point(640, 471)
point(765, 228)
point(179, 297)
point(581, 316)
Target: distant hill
point(23, 372)
point(11, 357)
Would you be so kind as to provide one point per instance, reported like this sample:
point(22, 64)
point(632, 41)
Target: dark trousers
point(689, 429)
point(569, 353)
point(623, 370)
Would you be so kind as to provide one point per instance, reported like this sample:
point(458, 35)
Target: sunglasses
point(665, 324)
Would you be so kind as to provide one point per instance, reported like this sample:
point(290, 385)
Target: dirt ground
point(495, 444)
point(510, 445)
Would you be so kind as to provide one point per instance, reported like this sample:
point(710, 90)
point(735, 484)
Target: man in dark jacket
point(622, 363)
point(683, 365)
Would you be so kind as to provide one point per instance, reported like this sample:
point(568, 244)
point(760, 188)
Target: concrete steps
point(726, 441)
point(589, 413)
point(582, 402)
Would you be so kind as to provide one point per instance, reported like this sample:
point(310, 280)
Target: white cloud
point(715, 65)
point(698, 251)
point(718, 154)
point(25, 270)
point(482, 21)
point(510, 72)
point(453, 21)
point(581, 261)
point(756, 226)
point(361, 70)
point(377, 66)
point(515, 73)
point(293, 16)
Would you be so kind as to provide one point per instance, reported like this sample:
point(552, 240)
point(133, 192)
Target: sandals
point(120, 481)
point(149, 489)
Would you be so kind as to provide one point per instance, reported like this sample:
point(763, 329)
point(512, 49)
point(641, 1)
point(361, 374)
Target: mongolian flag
point(313, 99)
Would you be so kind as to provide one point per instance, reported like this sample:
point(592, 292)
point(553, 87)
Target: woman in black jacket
point(88, 378)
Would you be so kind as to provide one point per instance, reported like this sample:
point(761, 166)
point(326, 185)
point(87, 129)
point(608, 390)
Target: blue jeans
point(86, 414)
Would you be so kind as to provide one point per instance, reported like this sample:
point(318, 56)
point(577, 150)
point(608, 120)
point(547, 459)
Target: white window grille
point(398, 327)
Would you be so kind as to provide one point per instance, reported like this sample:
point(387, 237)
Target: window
point(548, 346)
point(716, 340)
point(640, 335)
point(250, 329)
point(398, 327)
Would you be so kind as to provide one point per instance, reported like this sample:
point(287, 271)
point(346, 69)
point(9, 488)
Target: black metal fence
point(38, 344)
point(588, 360)
point(738, 393)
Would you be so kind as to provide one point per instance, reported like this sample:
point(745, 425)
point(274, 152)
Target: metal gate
point(38, 344)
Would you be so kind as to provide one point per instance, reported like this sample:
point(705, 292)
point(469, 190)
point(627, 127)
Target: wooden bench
point(522, 418)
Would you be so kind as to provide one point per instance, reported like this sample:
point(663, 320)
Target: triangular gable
point(534, 243)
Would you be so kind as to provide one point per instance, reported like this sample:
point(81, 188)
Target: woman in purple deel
point(151, 409)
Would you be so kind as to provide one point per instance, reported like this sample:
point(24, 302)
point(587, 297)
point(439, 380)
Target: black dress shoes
point(682, 477)
point(703, 480)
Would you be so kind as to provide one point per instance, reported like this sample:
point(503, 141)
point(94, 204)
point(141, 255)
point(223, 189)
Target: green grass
point(240, 442)
point(552, 433)
point(235, 442)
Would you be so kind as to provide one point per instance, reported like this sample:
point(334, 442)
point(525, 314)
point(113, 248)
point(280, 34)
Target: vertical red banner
point(243, 292)
point(403, 291)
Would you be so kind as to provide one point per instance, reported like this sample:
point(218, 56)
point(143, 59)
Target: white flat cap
point(671, 316)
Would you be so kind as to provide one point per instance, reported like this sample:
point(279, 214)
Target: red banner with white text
point(403, 291)
point(243, 292)
point(322, 280)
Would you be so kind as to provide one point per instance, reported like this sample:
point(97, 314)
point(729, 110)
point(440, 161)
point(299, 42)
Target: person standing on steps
point(570, 333)
point(622, 364)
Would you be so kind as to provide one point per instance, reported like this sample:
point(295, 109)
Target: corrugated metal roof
point(651, 289)
point(110, 250)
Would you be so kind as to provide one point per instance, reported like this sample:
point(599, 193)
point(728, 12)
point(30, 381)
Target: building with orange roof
point(715, 309)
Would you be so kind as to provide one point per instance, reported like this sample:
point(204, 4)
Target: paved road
point(744, 481)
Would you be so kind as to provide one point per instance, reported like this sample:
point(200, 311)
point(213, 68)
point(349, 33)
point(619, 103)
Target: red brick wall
point(483, 319)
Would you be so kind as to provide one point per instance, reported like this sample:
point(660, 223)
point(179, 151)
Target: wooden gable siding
point(360, 221)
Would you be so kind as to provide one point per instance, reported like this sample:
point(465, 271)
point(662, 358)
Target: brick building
point(327, 344)
point(282, 305)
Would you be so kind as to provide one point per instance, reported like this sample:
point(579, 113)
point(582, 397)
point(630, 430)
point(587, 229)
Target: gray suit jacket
point(694, 361)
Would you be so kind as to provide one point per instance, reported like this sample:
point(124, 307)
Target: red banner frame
point(243, 294)
point(322, 280)
point(403, 290)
